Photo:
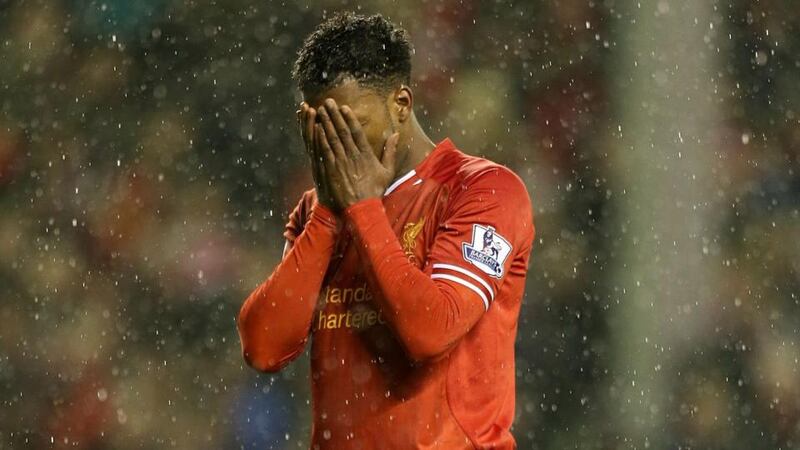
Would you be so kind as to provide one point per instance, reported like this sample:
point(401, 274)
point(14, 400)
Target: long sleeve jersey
point(411, 304)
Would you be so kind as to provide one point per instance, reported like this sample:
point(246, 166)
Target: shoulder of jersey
point(461, 171)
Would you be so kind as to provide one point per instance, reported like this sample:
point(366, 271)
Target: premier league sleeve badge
point(487, 251)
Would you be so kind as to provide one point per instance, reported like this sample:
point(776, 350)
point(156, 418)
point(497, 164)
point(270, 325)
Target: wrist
point(360, 198)
point(326, 215)
point(362, 214)
point(359, 206)
point(367, 220)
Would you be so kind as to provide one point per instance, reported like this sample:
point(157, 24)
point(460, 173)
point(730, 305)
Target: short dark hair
point(371, 49)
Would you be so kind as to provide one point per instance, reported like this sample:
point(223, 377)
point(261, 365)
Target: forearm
point(275, 319)
point(428, 316)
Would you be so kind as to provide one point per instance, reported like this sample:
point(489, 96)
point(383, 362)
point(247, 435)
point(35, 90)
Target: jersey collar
point(440, 148)
point(399, 181)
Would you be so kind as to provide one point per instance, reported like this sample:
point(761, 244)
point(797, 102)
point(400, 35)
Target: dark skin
point(359, 141)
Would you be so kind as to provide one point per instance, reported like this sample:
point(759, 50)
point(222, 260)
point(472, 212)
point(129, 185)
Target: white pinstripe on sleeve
point(466, 272)
point(464, 283)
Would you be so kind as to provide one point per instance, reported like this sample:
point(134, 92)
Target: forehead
point(349, 93)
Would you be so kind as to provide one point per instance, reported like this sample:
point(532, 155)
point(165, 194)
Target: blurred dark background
point(149, 157)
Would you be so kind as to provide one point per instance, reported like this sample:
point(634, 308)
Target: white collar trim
point(399, 181)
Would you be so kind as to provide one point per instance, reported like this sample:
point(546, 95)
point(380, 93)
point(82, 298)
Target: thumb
point(390, 152)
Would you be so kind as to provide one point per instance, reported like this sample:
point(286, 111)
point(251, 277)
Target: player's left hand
point(354, 172)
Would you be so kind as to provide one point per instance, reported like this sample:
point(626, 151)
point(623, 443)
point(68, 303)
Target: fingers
point(389, 156)
point(324, 148)
point(336, 130)
point(307, 116)
point(329, 135)
point(315, 156)
point(301, 119)
point(321, 171)
point(356, 132)
point(306, 119)
point(311, 116)
point(341, 126)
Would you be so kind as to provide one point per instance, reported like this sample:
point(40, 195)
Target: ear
point(403, 103)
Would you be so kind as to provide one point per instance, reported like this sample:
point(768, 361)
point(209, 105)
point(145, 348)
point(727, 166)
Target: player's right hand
point(306, 118)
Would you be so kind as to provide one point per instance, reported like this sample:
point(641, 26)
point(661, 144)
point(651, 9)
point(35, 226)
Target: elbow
point(262, 363)
point(263, 358)
point(256, 353)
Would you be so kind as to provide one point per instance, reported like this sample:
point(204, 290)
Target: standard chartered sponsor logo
point(347, 295)
point(359, 313)
point(349, 319)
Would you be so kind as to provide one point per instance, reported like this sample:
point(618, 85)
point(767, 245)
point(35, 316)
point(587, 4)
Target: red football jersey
point(398, 361)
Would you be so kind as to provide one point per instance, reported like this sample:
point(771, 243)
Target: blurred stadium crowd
point(149, 158)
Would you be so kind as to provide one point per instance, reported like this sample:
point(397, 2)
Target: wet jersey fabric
point(413, 318)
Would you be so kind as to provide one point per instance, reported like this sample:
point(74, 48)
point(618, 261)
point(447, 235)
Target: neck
point(416, 145)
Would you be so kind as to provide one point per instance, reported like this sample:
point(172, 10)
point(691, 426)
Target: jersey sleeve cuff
point(326, 216)
point(364, 213)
